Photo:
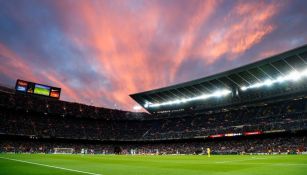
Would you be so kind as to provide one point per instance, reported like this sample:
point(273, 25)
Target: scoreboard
point(38, 89)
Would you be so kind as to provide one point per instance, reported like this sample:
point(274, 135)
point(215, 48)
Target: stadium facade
point(261, 106)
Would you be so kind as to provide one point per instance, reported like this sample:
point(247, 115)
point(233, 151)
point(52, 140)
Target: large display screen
point(39, 89)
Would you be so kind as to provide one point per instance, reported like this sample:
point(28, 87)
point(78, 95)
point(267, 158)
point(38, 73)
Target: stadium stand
point(278, 144)
point(266, 99)
point(22, 117)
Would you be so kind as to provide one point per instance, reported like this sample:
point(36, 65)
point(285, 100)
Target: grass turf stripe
point(49, 166)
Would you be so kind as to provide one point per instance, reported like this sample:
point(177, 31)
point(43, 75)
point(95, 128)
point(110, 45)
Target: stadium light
point(217, 94)
point(268, 82)
point(137, 107)
point(293, 76)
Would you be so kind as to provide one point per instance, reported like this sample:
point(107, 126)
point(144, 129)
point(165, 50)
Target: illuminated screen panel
point(21, 86)
point(216, 136)
point(233, 134)
point(55, 92)
point(253, 133)
point(236, 134)
point(41, 90)
point(31, 87)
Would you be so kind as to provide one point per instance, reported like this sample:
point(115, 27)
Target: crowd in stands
point(285, 115)
point(293, 144)
point(39, 117)
point(34, 103)
point(22, 114)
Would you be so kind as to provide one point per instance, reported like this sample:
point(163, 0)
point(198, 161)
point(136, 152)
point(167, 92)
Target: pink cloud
point(245, 26)
point(14, 66)
point(135, 47)
point(121, 39)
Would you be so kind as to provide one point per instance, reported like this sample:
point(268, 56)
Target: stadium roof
point(288, 65)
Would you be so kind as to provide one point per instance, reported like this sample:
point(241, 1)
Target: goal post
point(63, 150)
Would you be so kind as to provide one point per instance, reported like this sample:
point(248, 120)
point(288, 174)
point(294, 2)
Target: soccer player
point(208, 152)
point(270, 151)
point(288, 151)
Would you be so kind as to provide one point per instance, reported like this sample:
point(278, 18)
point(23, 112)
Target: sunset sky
point(101, 51)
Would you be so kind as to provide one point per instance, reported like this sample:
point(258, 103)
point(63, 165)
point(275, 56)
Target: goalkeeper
point(209, 152)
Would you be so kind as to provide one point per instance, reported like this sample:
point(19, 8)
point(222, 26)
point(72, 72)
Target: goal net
point(63, 150)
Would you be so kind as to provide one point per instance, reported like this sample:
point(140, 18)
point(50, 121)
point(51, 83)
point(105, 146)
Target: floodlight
point(293, 76)
point(218, 93)
point(243, 88)
point(268, 82)
point(146, 105)
point(304, 73)
point(137, 107)
point(281, 79)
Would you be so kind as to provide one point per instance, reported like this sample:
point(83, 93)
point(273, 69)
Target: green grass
point(154, 165)
point(41, 91)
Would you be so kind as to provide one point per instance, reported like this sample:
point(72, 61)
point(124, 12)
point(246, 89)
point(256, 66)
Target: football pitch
point(25, 164)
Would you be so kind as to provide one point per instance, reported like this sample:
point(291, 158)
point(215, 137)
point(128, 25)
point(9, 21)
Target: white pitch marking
point(253, 158)
point(271, 164)
point(50, 166)
point(261, 158)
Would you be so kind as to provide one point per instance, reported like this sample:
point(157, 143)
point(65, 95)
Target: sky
point(100, 51)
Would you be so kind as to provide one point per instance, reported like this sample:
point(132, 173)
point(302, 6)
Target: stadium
point(153, 87)
point(254, 114)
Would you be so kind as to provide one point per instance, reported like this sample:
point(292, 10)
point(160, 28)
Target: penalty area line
point(49, 166)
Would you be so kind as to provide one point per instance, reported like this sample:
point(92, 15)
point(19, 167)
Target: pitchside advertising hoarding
point(38, 89)
point(236, 134)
